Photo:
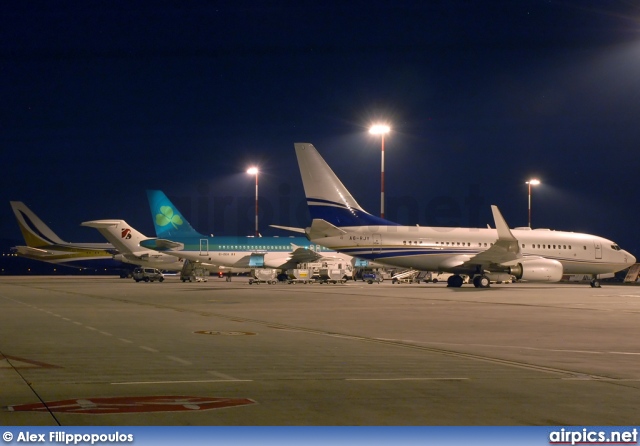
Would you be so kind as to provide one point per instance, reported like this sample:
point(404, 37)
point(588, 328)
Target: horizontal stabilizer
point(289, 228)
point(35, 252)
point(160, 244)
point(100, 223)
point(322, 228)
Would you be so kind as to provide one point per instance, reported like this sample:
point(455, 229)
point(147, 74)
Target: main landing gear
point(455, 281)
point(479, 281)
point(595, 282)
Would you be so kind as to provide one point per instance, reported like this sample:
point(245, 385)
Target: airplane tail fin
point(167, 219)
point(35, 232)
point(327, 197)
point(119, 233)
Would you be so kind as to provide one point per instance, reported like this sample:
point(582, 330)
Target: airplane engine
point(538, 270)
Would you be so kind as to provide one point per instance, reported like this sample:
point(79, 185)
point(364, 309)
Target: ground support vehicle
point(264, 275)
point(407, 276)
point(147, 275)
point(192, 272)
point(299, 275)
point(371, 277)
point(331, 275)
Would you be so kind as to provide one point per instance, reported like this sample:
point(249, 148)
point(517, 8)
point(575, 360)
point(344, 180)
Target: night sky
point(103, 100)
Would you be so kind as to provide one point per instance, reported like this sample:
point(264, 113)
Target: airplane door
point(598, 247)
point(204, 247)
point(377, 241)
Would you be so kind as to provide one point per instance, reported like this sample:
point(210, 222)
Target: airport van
point(147, 274)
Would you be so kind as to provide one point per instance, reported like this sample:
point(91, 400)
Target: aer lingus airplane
point(484, 254)
point(44, 245)
point(178, 238)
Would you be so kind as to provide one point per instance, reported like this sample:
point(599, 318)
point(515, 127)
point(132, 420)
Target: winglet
point(504, 233)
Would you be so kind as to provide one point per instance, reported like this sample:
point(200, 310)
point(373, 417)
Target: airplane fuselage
point(248, 252)
point(442, 249)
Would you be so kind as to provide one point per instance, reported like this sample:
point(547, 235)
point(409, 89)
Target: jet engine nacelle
point(538, 270)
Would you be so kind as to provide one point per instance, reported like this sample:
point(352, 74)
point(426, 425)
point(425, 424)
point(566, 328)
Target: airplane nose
point(630, 259)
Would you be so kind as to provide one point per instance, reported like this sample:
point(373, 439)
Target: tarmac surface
point(108, 351)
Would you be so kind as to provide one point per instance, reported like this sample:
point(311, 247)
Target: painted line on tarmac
point(149, 349)
point(522, 347)
point(180, 360)
point(126, 383)
point(406, 379)
point(222, 375)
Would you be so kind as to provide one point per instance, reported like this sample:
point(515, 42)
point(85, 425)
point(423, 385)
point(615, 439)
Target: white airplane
point(44, 245)
point(484, 254)
point(127, 241)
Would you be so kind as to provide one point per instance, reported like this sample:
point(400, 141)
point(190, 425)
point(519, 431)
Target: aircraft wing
point(303, 255)
point(505, 249)
point(297, 255)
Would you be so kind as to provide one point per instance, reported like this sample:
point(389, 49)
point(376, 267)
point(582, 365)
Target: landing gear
point(595, 283)
point(481, 281)
point(455, 281)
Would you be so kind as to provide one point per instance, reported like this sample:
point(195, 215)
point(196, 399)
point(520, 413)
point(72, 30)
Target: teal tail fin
point(167, 219)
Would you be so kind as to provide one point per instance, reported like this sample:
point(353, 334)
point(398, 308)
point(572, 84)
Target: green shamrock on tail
point(167, 216)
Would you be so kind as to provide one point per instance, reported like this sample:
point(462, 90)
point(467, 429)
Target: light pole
point(531, 182)
point(381, 129)
point(254, 171)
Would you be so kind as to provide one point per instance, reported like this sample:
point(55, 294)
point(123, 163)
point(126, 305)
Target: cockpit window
point(615, 247)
